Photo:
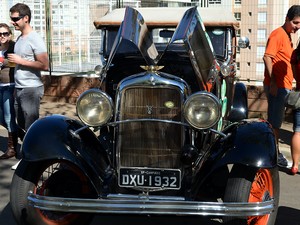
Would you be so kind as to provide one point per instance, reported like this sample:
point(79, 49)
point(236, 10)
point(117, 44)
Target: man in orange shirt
point(278, 72)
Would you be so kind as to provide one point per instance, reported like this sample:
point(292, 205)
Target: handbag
point(293, 100)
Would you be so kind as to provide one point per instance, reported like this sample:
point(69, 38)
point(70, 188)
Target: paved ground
point(49, 108)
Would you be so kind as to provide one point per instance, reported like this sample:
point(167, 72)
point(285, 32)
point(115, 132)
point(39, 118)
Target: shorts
point(296, 122)
point(276, 106)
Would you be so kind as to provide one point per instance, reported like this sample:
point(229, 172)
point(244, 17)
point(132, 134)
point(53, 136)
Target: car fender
point(54, 137)
point(251, 143)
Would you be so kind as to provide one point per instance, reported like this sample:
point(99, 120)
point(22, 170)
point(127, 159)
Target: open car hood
point(190, 31)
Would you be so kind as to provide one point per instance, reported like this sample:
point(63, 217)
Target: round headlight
point(202, 110)
point(94, 107)
point(226, 70)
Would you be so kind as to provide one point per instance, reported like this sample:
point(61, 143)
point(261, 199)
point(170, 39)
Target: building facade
point(258, 19)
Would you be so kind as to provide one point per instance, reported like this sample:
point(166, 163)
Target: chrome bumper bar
point(158, 205)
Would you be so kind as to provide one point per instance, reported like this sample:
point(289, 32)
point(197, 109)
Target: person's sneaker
point(282, 161)
point(14, 167)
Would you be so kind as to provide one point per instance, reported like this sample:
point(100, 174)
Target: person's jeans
point(276, 106)
point(27, 105)
point(7, 111)
point(296, 123)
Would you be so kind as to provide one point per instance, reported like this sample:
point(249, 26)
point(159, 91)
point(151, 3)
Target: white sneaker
point(14, 167)
point(282, 161)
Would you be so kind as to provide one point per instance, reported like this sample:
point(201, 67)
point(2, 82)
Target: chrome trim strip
point(133, 204)
point(115, 123)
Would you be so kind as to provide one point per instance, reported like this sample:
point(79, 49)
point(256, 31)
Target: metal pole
point(48, 33)
point(79, 37)
point(60, 8)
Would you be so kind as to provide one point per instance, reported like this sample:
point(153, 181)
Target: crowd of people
point(21, 86)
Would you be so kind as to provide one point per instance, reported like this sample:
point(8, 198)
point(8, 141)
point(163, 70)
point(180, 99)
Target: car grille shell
point(146, 143)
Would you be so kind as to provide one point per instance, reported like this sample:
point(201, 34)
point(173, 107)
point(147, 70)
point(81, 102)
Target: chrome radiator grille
point(150, 144)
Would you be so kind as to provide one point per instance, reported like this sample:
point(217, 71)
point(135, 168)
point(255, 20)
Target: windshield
point(162, 36)
point(218, 40)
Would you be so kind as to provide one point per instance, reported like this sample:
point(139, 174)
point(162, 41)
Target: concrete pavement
point(62, 108)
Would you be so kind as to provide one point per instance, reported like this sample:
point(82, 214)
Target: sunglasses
point(4, 34)
point(16, 19)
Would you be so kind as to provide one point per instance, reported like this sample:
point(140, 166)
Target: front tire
point(247, 184)
point(56, 178)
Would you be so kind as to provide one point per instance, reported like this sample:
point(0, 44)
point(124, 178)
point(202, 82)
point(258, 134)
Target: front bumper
point(156, 205)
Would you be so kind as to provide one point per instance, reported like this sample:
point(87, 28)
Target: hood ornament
point(152, 68)
point(149, 109)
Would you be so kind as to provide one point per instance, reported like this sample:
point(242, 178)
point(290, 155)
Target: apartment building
point(258, 19)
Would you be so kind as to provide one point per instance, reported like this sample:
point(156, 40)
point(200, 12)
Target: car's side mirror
point(244, 42)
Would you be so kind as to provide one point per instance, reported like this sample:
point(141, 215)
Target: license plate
point(151, 178)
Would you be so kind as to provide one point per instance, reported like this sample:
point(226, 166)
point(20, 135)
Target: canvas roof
point(170, 17)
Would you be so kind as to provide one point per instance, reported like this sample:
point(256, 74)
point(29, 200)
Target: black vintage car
point(167, 132)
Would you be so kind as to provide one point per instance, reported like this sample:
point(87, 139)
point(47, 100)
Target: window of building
point(260, 51)
point(262, 2)
point(237, 16)
point(238, 33)
point(261, 35)
point(260, 68)
point(262, 17)
point(238, 2)
point(238, 67)
point(219, 2)
point(204, 3)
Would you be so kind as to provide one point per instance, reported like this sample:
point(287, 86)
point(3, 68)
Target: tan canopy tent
point(169, 17)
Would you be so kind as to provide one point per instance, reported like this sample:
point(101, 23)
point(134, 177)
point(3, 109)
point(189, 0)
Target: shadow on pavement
point(287, 215)
point(151, 220)
point(3, 144)
point(286, 170)
point(285, 136)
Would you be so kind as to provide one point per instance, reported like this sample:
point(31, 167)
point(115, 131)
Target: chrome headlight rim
point(200, 97)
point(96, 96)
point(225, 70)
point(228, 69)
